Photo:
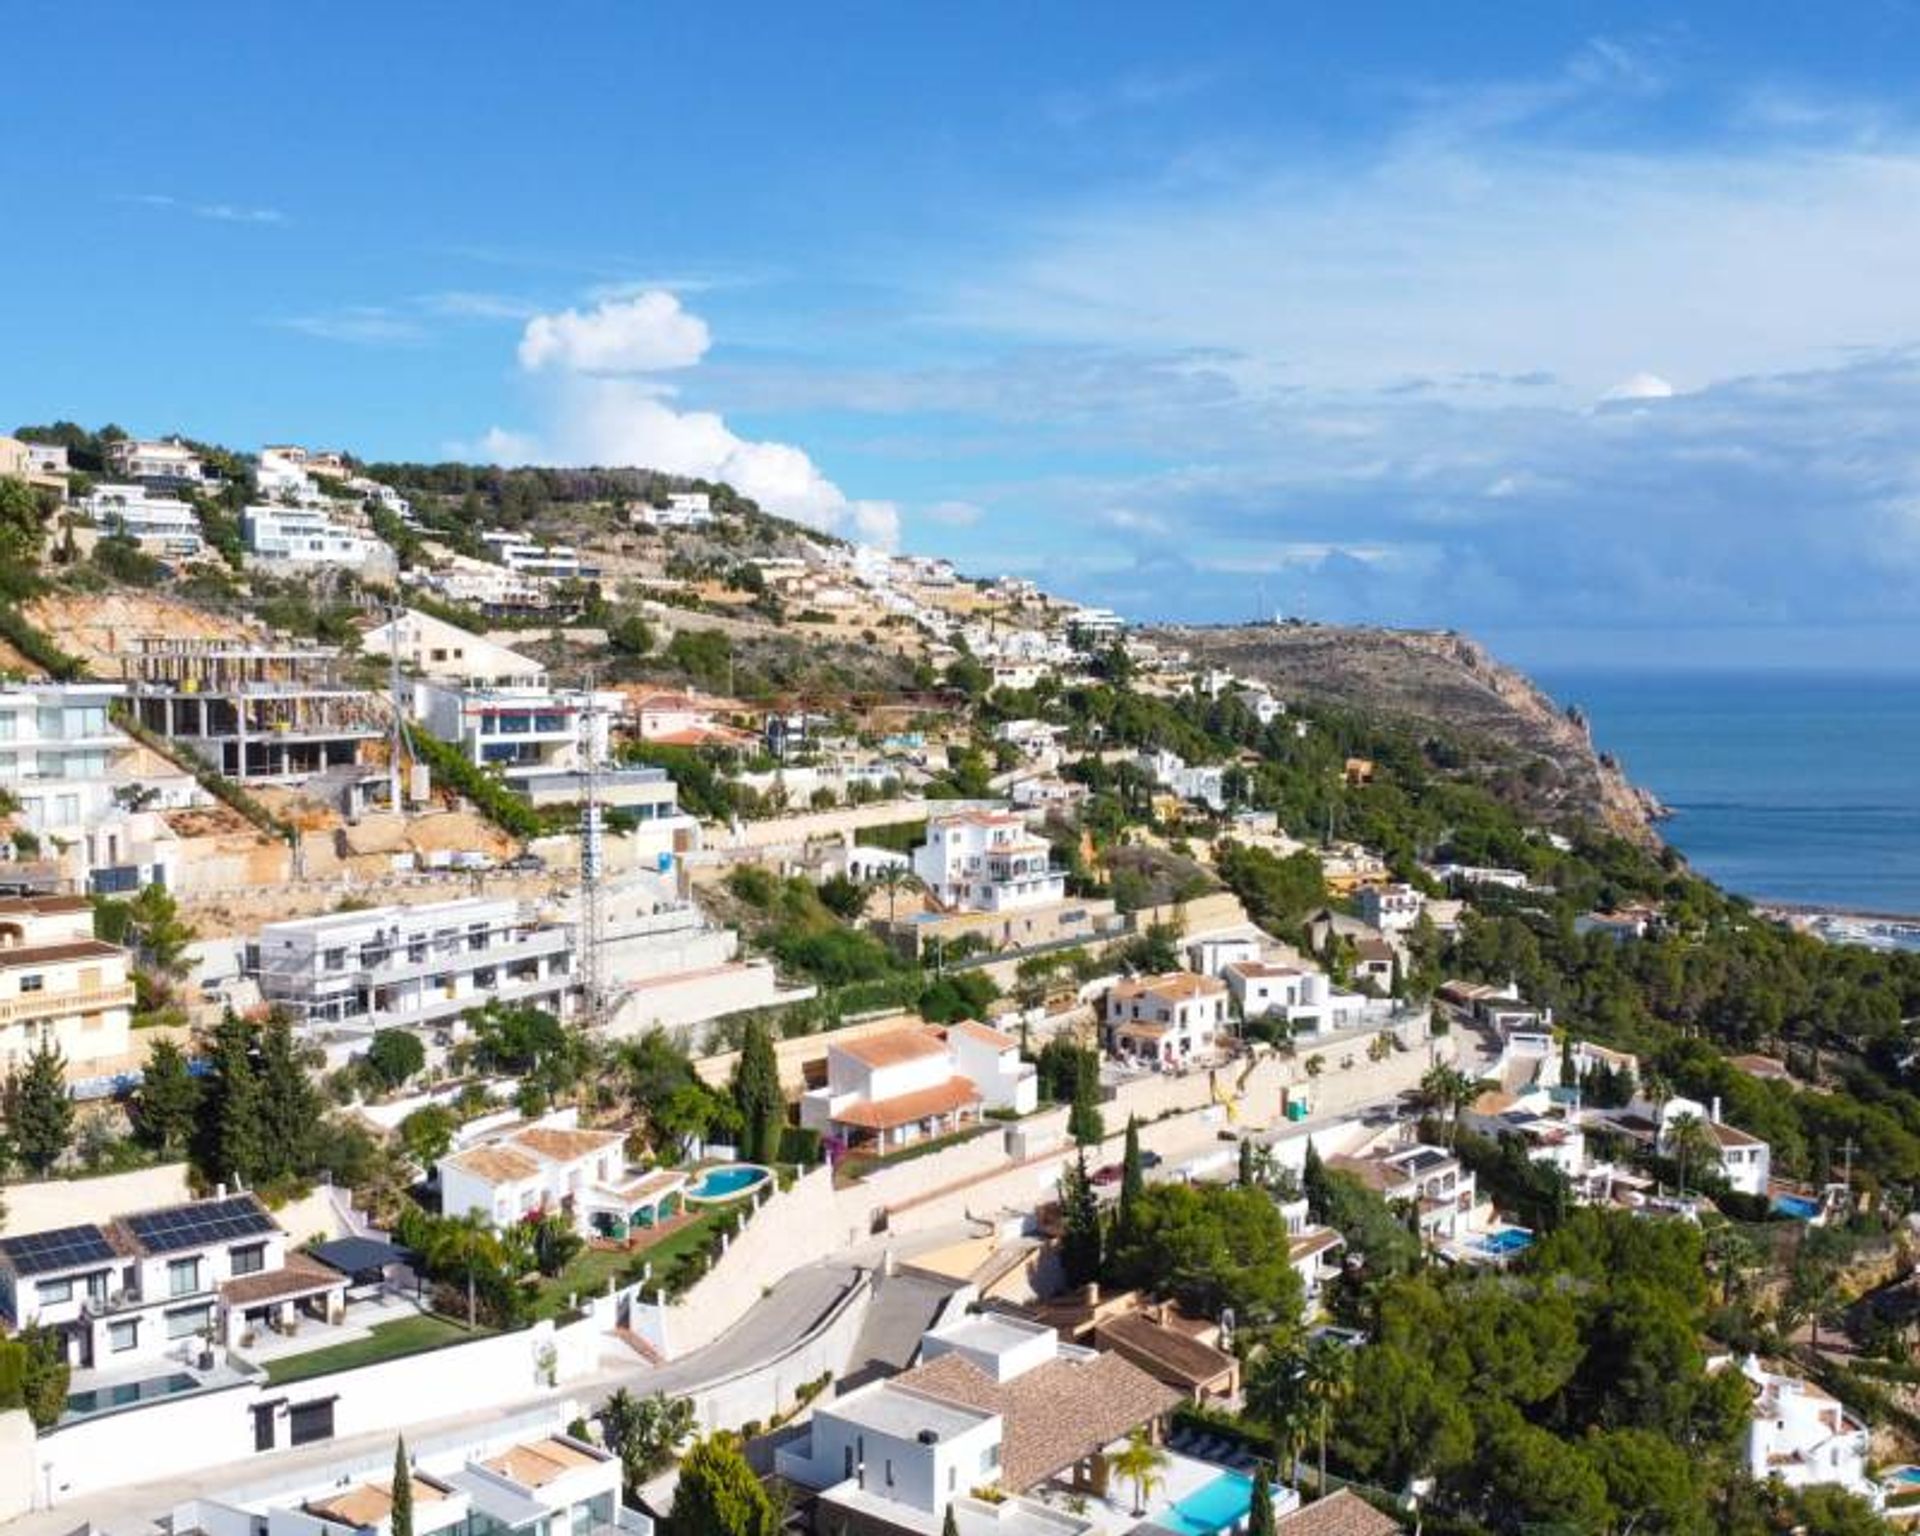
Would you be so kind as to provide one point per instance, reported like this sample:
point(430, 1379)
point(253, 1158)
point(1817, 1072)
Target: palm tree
point(1325, 1382)
point(893, 879)
point(1448, 1091)
point(469, 1244)
point(1139, 1464)
point(1274, 1396)
point(1688, 1142)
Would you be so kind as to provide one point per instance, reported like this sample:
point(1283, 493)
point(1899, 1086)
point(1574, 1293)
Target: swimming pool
point(727, 1182)
point(1797, 1206)
point(127, 1393)
point(1507, 1240)
point(1908, 1475)
point(1213, 1507)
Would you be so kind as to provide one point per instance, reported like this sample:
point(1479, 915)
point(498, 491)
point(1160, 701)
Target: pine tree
point(718, 1495)
point(289, 1105)
point(401, 1520)
point(167, 1100)
point(1133, 1184)
point(1259, 1513)
point(39, 1109)
point(1080, 1223)
point(756, 1090)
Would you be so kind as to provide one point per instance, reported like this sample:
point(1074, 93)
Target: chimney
point(220, 1191)
point(1090, 1293)
point(1716, 1109)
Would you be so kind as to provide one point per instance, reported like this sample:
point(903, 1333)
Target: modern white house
point(1390, 908)
point(998, 1408)
point(160, 1283)
point(308, 536)
point(413, 967)
point(987, 861)
point(890, 1090)
point(1803, 1436)
point(1202, 785)
point(1745, 1161)
point(555, 1167)
point(433, 648)
point(528, 557)
point(162, 525)
point(1168, 1021)
point(522, 730)
point(1430, 1181)
point(684, 509)
point(990, 1059)
point(522, 1477)
point(1312, 1250)
point(62, 987)
point(1307, 999)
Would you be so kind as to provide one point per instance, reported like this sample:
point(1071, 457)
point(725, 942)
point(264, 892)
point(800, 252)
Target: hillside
point(1436, 677)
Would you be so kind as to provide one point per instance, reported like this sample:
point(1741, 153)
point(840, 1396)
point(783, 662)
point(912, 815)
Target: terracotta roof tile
point(496, 1164)
point(903, 1109)
point(1164, 1353)
point(563, 1145)
point(892, 1049)
point(1339, 1514)
point(299, 1276)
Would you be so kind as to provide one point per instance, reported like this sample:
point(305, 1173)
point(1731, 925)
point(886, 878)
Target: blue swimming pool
point(1910, 1475)
point(1507, 1240)
point(127, 1393)
point(1216, 1506)
point(1797, 1206)
point(727, 1182)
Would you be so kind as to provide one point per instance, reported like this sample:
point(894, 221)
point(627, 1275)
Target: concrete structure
point(161, 525)
point(1201, 785)
point(987, 861)
point(60, 986)
point(258, 712)
point(1167, 1021)
point(433, 648)
point(553, 1166)
point(161, 1283)
point(413, 967)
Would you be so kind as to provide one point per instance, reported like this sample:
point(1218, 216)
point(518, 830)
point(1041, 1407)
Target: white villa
point(554, 1166)
point(1803, 1436)
point(523, 729)
point(1390, 908)
point(987, 861)
point(432, 648)
point(890, 1090)
point(1167, 1021)
point(163, 462)
point(61, 986)
point(1307, 999)
point(1429, 1179)
point(163, 525)
point(1745, 1162)
point(310, 536)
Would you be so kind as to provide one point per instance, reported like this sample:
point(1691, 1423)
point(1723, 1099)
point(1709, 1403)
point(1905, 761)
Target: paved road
point(775, 1322)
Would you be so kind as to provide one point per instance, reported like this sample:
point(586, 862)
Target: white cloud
point(648, 333)
point(361, 324)
point(221, 213)
point(952, 514)
point(602, 405)
point(1640, 386)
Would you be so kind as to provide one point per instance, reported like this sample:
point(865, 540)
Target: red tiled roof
point(903, 1109)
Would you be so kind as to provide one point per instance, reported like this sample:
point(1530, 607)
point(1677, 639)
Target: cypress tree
point(1083, 1119)
point(1246, 1162)
point(756, 1090)
point(1080, 1223)
point(289, 1106)
point(402, 1518)
point(1133, 1184)
point(1259, 1513)
point(231, 1132)
point(39, 1108)
point(951, 1525)
point(1313, 1183)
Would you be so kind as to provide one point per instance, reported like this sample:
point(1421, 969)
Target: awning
point(355, 1256)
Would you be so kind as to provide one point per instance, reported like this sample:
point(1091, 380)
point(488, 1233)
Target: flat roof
point(892, 1409)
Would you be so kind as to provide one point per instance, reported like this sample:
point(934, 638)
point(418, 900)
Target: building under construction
point(260, 713)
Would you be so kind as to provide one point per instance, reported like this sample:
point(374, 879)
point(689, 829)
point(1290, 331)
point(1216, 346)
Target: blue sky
point(1589, 328)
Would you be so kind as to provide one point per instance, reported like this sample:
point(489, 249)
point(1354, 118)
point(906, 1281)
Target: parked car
point(1107, 1175)
point(525, 864)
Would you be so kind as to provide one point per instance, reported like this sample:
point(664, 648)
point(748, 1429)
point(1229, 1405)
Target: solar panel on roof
point(198, 1226)
point(45, 1253)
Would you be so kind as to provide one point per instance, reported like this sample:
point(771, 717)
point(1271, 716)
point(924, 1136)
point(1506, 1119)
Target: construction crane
point(592, 867)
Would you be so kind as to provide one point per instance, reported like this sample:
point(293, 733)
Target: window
point(183, 1277)
point(334, 959)
point(188, 1321)
point(990, 1458)
point(308, 1422)
point(33, 983)
point(122, 1337)
point(50, 1291)
point(249, 1260)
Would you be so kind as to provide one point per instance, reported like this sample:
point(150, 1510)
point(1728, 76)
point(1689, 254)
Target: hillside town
point(559, 1001)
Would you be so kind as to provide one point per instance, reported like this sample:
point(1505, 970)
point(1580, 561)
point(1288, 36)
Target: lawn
point(586, 1277)
point(387, 1341)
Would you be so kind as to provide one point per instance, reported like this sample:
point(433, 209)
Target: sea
point(1785, 786)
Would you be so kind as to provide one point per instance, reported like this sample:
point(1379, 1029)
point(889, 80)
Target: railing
point(85, 1000)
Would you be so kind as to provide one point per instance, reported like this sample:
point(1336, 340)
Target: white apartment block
point(1390, 908)
point(1168, 1021)
point(413, 967)
point(987, 861)
point(60, 986)
point(166, 461)
point(76, 777)
point(526, 557)
point(163, 525)
point(310, 536)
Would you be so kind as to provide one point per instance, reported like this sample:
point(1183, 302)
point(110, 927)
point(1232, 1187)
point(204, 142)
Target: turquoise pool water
point(1507, 1240)
point(127, 1393)
point(727, 1182)
point(1907, 1475)
point(1797, 1206)
point(1216, 1506)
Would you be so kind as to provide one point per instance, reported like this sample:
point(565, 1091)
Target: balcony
point(44, 1005)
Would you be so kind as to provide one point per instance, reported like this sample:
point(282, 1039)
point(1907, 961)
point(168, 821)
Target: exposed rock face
point(1433, 676)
